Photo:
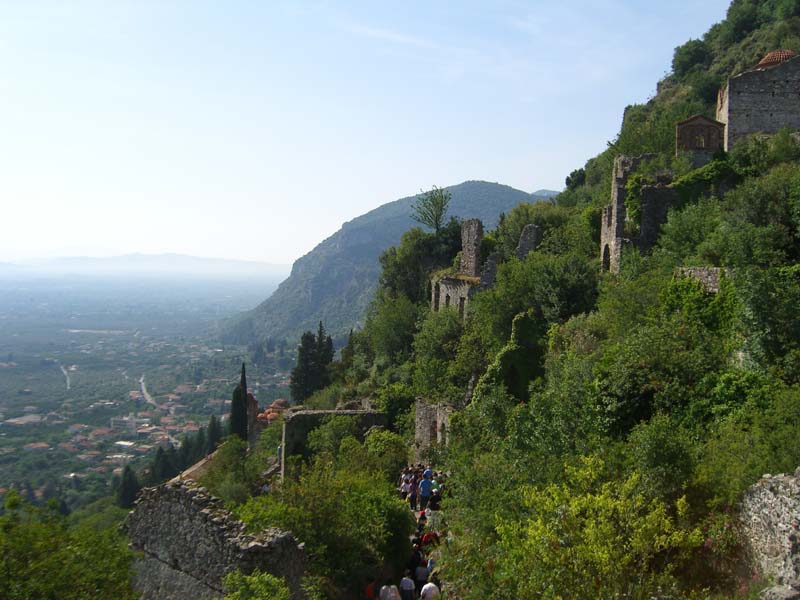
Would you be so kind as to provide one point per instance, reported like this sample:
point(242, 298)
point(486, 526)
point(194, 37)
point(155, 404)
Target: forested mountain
point(335, 282)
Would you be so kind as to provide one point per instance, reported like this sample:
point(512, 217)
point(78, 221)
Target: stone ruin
point(456, 290)
point(431, 426)
point(655, 201)
point(699, 138)
point(471, 238)
point(761, 100)
point(769, 518)
point(189, 542)
point(708, 277)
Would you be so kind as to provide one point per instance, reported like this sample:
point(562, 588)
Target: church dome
point(775, 57)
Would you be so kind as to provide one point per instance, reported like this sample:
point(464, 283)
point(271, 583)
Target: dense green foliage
point(341, 503)
point(42, 557)
point(256, 586)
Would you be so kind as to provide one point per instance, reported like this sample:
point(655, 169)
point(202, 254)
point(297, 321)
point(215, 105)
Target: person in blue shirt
point(425, 489)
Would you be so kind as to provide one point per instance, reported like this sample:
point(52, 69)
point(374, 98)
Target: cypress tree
point(128, 489)
point(239, 408)
point(214, 434)
point(304, 375)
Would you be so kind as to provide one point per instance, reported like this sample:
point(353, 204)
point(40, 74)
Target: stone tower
point(612, 226)
point(471, 238)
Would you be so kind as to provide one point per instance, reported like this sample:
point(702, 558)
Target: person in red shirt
point(369, 590)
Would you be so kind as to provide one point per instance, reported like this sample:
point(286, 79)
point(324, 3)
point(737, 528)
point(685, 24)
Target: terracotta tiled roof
point(775, 57)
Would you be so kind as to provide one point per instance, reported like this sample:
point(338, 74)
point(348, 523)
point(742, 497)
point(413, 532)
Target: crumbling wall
point(612, 226)
point(471, 238)
point(489, 271)
point(770, 517)
point(529, 240)
point(760, 101)
point(451, 292)
point(431, 426)
point(189, 542)
point(708, 277)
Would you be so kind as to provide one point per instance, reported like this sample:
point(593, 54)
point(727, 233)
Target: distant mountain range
point(335, 282)
point(147, 265)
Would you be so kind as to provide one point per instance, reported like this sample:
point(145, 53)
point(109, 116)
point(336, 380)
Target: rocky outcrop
point(189, 542)
point(770, 518)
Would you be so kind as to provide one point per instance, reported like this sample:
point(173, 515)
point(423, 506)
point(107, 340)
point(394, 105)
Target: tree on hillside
point(214, 434)
point(314, 355)
point(239, 408)
point(431, 208)
point(128, 489)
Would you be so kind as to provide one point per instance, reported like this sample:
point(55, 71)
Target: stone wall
point(612, 226)
point(471, 238)
point(489, 270)
point(770, 517)
point(760, 101)
point(189, 542)
point(432, 424)
point(297, 424)
point(708, 277)
point(529, 240)
point(451, 292)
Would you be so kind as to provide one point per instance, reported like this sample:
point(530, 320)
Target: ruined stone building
point(764, 99)
point(455, 290)
point(655, 200)
point(699, 138)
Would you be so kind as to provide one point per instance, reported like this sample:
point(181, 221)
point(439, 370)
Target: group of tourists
point(422, 489)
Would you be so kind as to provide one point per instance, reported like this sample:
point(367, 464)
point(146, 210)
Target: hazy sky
point(253, 129)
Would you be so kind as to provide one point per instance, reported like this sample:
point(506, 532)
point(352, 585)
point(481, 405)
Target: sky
point(254, 129)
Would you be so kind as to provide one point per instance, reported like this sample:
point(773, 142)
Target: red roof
point(775, 57)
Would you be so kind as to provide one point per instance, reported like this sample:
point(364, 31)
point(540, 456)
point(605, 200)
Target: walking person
point(425, 488)
point(407, 588)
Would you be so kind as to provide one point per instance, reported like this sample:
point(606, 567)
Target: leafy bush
point(589, 538)
point(256, 586)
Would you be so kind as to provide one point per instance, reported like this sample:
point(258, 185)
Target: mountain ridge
point(335, 281)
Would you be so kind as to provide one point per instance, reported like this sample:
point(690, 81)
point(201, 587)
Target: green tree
point(256, 586)
point(239, 408)
point(214, 434)
point(128, 488)
point(312, 371)
point(431, 208)
point(41, 557)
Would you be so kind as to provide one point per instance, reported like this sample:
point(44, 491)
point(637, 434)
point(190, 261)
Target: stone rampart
point(189, 542)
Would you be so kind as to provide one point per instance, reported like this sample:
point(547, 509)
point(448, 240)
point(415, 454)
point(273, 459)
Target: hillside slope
point(334, 283)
